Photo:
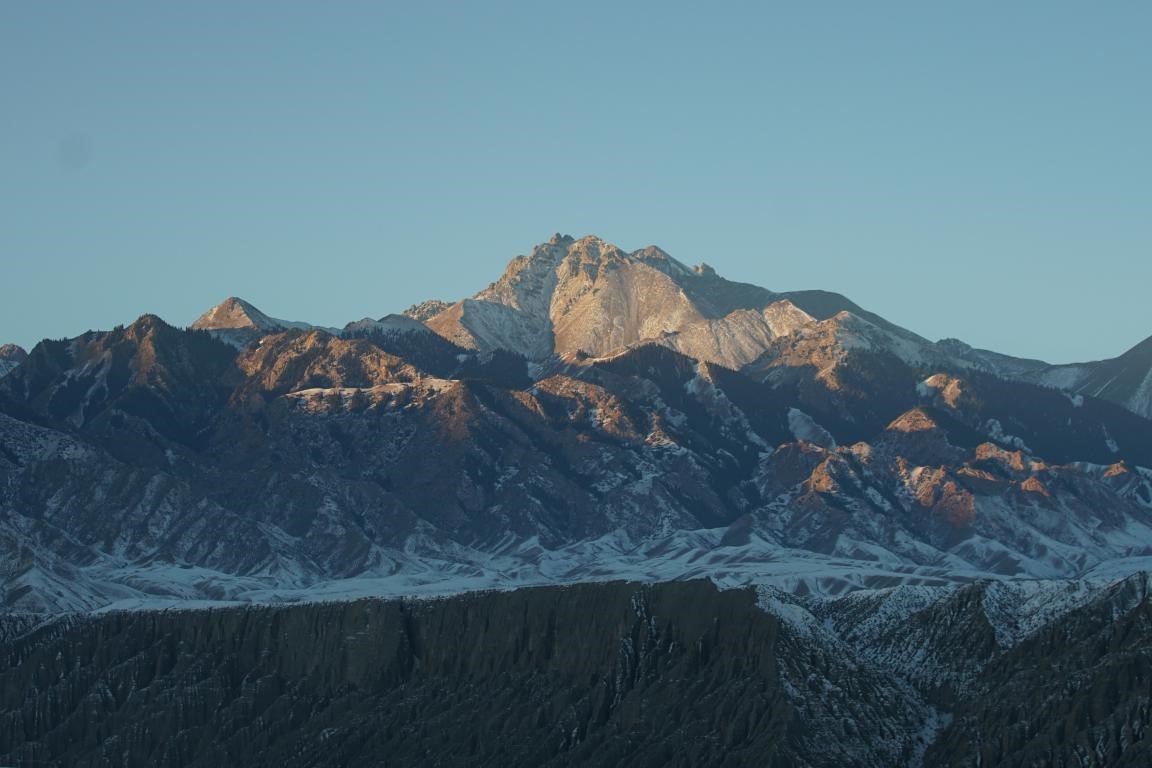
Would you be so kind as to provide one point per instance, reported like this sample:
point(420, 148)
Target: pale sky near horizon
point(980, 170)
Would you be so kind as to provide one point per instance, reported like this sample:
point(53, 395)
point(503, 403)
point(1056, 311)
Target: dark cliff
point(679, 674)
point(598, 674)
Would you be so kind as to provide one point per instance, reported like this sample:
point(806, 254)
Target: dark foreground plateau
point(593, 674)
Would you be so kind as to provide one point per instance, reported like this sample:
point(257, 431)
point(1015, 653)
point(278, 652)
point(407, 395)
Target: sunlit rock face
point(588, 296)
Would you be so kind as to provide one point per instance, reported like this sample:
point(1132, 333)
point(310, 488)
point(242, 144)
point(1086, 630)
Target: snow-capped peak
point(237, 314)
point(588, 295)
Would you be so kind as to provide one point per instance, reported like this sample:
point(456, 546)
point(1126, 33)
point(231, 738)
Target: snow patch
point(995, 430)
point(803, 427)
point(1109, 441)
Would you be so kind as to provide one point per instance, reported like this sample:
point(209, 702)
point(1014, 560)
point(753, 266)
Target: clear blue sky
point(980, 170)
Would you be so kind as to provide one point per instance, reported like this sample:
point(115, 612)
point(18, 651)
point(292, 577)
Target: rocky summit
point(862, 547)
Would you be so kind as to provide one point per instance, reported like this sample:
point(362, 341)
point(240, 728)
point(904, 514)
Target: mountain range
point(591, 414)
point(588, 297)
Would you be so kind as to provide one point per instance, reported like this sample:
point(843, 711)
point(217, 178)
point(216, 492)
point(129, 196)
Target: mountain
point(588, 296)
point(11, 356)
point(238, 322)
point(1126, 379)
